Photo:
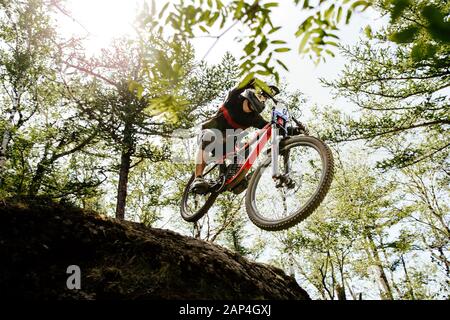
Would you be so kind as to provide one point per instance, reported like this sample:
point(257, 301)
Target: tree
point(39, 133)
point(400, 89)
point(25, 35)
point(126, 115)
point(428, 188)
point(261, 40)
point(343, 246)
point(141, 91)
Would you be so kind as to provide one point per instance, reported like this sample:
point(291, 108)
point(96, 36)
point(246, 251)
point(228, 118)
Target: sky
point(103, 20)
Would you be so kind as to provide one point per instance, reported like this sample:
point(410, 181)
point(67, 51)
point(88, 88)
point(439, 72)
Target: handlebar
point(298, 123)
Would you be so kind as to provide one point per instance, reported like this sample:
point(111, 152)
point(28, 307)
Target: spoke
point(195, 202)
point(283, 196)
point(303, 165)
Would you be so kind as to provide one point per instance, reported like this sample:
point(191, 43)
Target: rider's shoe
point(199, 185)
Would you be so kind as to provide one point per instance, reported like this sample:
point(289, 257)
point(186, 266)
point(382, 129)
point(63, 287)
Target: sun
point(99, 20)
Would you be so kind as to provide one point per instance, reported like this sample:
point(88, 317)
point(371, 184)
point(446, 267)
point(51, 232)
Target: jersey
point(231, 114)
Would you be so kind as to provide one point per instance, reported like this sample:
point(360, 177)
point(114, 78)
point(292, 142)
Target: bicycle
point(300, 175)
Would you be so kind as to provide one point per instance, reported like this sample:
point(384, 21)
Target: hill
point(121, 260)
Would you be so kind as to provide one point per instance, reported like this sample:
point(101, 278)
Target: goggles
point(261, 97)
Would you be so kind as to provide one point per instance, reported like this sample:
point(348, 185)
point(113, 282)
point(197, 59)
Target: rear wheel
point(306, 171)
point(193, 205)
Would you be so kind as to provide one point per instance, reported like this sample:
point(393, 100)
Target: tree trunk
point(122, 188)
point(37, 179)
point(340, 289)
point(386, 288)
point(125, 164)
point(291, 264)
point(3, 149)
point(408, 280)
point(7, 138)
point(352, 293)
point(41, 168)
point(340, 292)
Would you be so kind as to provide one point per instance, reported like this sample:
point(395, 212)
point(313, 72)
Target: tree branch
point(92, 73)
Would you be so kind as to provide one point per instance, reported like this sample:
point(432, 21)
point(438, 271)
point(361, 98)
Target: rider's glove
point(295, 131)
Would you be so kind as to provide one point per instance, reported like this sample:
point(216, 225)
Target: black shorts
point(211, 136)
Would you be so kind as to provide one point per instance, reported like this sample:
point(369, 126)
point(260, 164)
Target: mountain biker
point(240, 110)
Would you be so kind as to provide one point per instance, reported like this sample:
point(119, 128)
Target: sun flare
point(100, 20)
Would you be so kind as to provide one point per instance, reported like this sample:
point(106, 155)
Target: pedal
point(199, 190)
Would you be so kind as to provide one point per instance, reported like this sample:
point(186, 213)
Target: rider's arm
point(259, 122)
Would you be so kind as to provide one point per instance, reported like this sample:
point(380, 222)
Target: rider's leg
point(206, 145)
point(200, 162)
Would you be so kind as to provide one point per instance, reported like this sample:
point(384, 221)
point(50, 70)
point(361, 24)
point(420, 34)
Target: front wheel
point(306, 170)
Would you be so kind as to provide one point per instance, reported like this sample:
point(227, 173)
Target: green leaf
point(250, 47)
point(224, 20)
point(304, 41)
point(213, 19)
point(368, 32)
point(161, 13)
point(360, 3)
point(304, 26)
point(398, 7)
point(238, 10)
point(262, 45)
point(278, 42)
point(273, 30)
point(406, 35)
point(250, 76)
point(270, 5)
point(262, 85)
point(203, 29)
point(282, 65)
point(331, 53)
point(205, 15)
point(339, 14)
point(438, 25)
point(306, 4)
point(329, 11)
point(219, 4)
point(263, 72)
point(349, 15)
point(422, 51)
point(282, 49)
point(331, 43)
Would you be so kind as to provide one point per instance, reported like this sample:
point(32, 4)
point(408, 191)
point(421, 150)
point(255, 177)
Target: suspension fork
point(276, 138)
point(287, 163)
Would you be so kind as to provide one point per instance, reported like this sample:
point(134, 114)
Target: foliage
point(422, 23)
point(39, 133)
point(263, 45)
point(362, 238)
point(401, 90)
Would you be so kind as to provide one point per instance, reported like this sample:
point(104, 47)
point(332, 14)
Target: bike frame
point(262, 137)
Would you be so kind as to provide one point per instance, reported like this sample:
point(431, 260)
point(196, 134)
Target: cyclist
point(240, 110)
